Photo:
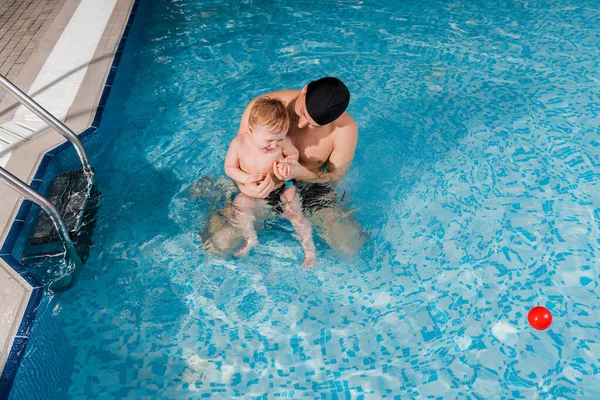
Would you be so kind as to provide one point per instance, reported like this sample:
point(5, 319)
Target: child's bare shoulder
point(238, 141)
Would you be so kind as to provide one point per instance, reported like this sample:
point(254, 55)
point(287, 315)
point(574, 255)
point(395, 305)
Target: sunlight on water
point(475, 179)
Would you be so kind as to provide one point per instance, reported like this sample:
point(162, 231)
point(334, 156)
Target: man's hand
point(258, 186)
point(254, 179)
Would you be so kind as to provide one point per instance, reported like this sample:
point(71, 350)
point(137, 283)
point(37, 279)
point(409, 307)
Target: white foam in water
point(196, 367)
point(488, 388)
point(463, 342)
point(504, 331)
point(461, 370)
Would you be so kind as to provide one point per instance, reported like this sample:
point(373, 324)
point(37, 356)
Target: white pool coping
point(14, 297)
point(56, 87)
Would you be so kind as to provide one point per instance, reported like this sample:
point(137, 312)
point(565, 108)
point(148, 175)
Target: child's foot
point(309, 262)
point(310, 256)
point(243, 252)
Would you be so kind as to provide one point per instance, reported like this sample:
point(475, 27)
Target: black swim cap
point(326, 99)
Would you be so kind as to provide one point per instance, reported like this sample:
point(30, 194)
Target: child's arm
point(232, 163)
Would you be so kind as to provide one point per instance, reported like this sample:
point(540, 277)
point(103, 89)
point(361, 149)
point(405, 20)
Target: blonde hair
point(269, 113)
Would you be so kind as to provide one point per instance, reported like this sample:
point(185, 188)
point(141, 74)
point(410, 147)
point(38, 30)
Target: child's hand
point(282, 171)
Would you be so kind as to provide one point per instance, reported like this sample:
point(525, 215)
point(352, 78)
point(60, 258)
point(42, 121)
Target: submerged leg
point(244, 208)
point(221, 236)
point(340, 230)
point(292, 210)
point(335, 225)
point(214, 190)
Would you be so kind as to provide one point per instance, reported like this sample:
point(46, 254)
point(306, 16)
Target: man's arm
point(284, 168)
point(289, 151)
point(339, 161)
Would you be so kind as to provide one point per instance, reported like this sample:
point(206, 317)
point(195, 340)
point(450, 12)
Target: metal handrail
point(41, 201)
point(26, 190)
point(48, 118)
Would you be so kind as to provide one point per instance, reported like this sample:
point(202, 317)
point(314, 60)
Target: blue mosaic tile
point(105, 94)
point(29, 315)
point(35, 184)
point(134, 9)
point(39, 174)
point(87, 132)
point(11, 366)
point(23, 210)
point(471, 118)
point(62, 147)
point(111, 76)
point(15, 265)
point(117, 58)
point(12, 236)
point(121, 46)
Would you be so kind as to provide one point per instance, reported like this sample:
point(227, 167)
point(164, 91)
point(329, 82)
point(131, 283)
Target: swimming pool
point(476, 178)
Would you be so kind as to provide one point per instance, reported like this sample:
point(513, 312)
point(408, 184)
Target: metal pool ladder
point(33, 195)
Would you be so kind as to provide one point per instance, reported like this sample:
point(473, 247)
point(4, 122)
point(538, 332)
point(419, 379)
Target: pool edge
point(20, 339)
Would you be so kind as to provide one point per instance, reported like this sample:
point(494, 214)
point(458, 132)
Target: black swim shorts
point(314, 196)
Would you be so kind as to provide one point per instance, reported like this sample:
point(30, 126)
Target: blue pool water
point(476, 178)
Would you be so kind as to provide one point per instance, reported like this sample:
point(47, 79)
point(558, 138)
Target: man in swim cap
point(321, 130)
point(325, 136)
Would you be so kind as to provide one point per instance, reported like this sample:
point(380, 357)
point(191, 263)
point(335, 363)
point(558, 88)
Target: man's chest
point(314, 150)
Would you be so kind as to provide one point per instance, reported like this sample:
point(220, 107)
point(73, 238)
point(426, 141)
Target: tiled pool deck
point(32, 34)
point(23, 25)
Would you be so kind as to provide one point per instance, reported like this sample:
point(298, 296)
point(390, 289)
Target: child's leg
point(292, 210)
point(244, 207)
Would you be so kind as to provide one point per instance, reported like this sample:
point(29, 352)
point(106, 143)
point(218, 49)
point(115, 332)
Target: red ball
point(539, 318)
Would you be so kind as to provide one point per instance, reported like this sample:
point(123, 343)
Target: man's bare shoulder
point(284, 95)
point(287, 142)
point(346, 125)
